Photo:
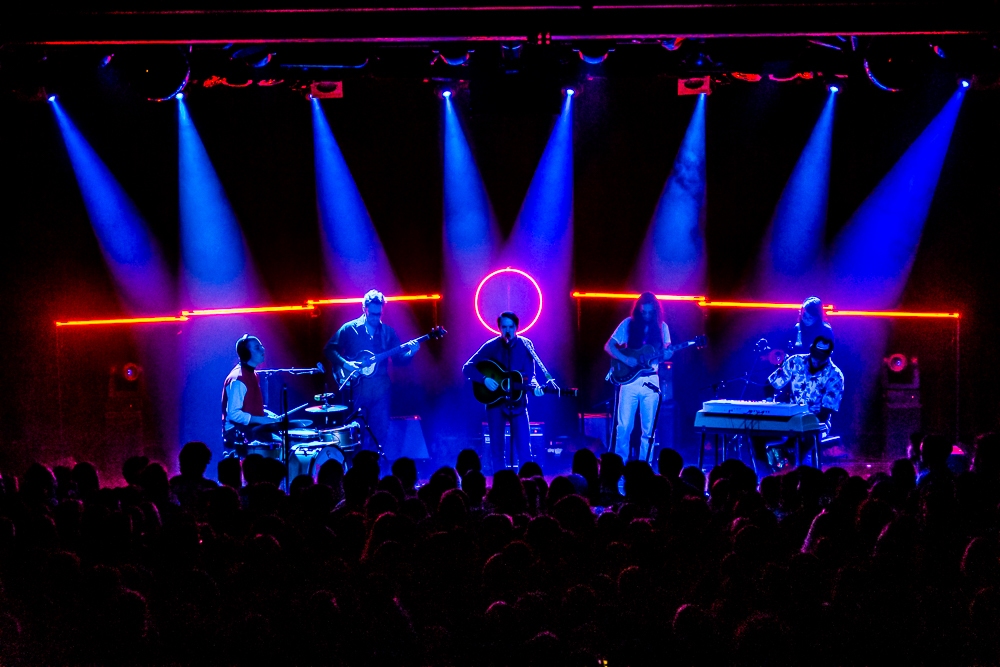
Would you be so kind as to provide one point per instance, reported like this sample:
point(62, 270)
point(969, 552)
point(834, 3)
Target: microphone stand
point(285, 442)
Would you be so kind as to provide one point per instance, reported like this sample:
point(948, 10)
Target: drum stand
point(357, 413)
point(656, 420)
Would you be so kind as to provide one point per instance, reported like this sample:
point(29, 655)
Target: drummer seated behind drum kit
point(309, 446)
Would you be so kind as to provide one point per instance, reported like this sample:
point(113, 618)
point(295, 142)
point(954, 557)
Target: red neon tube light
point(122, 320)
point(344, 300)
point(893, 313)
point(629, 295)
point(829, 309)
point(207, 312)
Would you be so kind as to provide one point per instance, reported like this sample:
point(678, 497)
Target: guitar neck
point(388, 353)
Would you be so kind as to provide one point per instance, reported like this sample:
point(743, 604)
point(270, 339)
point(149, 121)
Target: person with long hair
point(644, 327)
point(810, 326)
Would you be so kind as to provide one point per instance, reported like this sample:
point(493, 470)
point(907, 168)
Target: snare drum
point(346, 437)
point(298, 435)
point(306, 458)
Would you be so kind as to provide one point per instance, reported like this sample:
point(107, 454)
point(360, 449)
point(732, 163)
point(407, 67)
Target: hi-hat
point(327, 408)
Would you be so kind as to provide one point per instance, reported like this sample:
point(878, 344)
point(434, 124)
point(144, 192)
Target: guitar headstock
point(437, 332)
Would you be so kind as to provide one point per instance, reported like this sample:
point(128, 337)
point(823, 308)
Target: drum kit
point(328, 436)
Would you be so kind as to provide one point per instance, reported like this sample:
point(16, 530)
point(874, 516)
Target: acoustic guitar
point(647, 355)
point(512, 385)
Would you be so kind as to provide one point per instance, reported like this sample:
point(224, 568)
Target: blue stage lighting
point(964, 83)
point(833, 88)
point(52, 98)
point(446, 94)
point(673, 256)
point(570, 92)
point(874, 252)
point(141, 276)
point(180, 96)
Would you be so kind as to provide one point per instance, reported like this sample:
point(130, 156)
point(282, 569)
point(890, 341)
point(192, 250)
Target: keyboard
point(756, 408)
point(755, 418)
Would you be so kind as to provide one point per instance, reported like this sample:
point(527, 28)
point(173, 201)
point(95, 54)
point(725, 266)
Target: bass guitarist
point(372, 393)
point(511, 353)
point(644, 327)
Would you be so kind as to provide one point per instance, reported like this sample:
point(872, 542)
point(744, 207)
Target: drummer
point(242, 401)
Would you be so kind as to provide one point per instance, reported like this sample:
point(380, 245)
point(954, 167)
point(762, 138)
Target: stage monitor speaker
point(597, 425)
point(406, 438)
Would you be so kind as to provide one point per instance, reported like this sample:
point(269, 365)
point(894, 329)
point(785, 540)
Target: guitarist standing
point(644, 327)
point(372, 392)
point(510, 352)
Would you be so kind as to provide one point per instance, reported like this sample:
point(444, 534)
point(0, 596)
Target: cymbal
point(324, 397)
point(327, 408)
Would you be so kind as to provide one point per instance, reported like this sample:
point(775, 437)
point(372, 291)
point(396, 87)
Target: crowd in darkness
point(808, 567)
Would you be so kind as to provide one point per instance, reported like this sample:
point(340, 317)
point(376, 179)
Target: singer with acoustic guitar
point(512, 353)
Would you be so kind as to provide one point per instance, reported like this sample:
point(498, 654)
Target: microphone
point(319, 368)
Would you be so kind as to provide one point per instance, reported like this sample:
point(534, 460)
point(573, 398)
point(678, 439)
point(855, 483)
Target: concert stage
point(173, 194)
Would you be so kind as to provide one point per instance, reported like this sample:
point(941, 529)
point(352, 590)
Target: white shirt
point(236, 391)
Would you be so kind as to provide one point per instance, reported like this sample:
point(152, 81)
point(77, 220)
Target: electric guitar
point(369, 360)
point(512, 385)
point(647, 355)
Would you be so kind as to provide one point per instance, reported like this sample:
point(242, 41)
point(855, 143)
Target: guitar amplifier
point(406, 438)
point(536, 438)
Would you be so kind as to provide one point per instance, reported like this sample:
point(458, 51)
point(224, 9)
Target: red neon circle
point(508, 270)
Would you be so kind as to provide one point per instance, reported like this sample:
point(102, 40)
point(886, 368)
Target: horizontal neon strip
point(623, 295)
point(750, 304)
point(705, 303)
point(893, 313)
point(124, 320)
point(421, 297)
point(187, 314)
point(240, 311)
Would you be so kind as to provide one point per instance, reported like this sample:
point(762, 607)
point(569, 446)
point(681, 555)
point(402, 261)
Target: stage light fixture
point(453, 57)
point(180, 96)
point(570, 92)
point(964, 83)
point(446, 94)
point(593, 56)
point(52, 98)
point(833, 88)
point(326, 89)
point(695, 86)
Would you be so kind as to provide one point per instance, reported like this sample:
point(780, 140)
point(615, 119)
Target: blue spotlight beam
point(541, 242)
point(673, 254)
point(142, 279)
point(217, 266)
point(792, 251)
point(470, 230)
point(355, 258)
point(872, 257)
point(543, 230)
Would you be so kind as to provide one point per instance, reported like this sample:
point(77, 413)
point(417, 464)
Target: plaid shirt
point(822, 389)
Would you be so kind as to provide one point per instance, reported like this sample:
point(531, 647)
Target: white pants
point(630, 397)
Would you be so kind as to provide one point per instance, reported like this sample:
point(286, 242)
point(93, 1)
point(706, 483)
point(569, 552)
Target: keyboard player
point(812, 380)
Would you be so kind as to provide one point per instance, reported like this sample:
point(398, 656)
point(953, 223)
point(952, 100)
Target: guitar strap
point(534, 355)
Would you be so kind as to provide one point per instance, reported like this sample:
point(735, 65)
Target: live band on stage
point(801, 394)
